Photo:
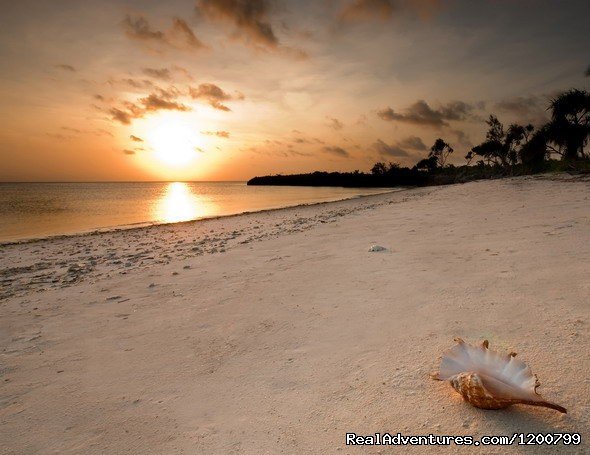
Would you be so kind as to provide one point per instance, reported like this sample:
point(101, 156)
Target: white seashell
point(376, 248)
point(490, 380)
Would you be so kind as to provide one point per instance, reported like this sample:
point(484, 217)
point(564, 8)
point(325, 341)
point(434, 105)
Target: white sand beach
point(279, 332)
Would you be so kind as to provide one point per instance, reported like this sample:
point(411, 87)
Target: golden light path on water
point(179, 204)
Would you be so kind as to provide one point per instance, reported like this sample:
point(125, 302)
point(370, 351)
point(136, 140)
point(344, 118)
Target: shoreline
point(67, 259)
point(279, 332)
point(148, 224)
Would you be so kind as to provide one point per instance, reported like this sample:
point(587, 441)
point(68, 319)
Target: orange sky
point(229, 89)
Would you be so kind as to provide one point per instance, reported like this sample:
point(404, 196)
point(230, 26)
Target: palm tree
point(569, 128)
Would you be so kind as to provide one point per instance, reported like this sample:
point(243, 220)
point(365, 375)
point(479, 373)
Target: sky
point(125, 90)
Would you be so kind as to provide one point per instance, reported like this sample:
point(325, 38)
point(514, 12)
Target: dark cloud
point(462, 139)
point(389, 150)
point(335, 124)
point(129, 152)
point(155, 102)
point(224, 134)
point(527, 109)
point(384, 10)
point(420, 113)
point(159, 100)
point(138, 28)
point(98, 97)
point(338, 151)
point(182, 36)
point(412, 143)
point(178, 36)
point(135, 138)
point(158, 73)
point(249, 17)
point(214, 96)
point(64, 67)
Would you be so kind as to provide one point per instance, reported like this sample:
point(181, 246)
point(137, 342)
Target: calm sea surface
point(33, 210)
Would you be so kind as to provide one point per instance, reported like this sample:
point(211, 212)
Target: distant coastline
point(395, 177)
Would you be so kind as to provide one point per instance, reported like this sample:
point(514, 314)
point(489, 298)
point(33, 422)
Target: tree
point(428, 164)
point(501, 146)
point(533, 153)
point(569, 128)
point(379, 168)
point(440, 151)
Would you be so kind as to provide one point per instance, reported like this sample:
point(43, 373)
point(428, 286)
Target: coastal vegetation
point(559, 145)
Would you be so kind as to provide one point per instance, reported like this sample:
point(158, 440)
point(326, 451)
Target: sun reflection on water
point(179, 204)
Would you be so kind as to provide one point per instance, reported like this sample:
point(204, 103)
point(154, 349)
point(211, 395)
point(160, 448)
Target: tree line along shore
point(558, 145)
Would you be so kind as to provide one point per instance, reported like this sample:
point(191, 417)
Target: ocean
point(37, 210)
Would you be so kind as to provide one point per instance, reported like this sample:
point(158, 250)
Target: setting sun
point(175, 142)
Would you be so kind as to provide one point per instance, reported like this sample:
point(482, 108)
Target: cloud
point(420, 113)
point(161, 73)
point(462, 139)
point(178, 36)
point(587, 73)
point(129, 152)
point(135, 138)
point(384, 10)
point(134, 83)
point(389, 150)
point(249, 17)
point(335, 124)
point(213, 95)
point(224, 134)
point(338, 151)
point(64, 67)
point(98, 97)
point(413, 143)
point(158, 100)
point(526, 108)
point(121, 116)
point(154, 102)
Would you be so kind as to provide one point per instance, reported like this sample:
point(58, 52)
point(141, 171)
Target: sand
point(278, 332)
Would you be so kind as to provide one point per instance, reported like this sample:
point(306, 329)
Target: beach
point(279, 332)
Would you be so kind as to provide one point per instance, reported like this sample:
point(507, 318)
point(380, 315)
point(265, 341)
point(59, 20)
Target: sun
point(174, 141)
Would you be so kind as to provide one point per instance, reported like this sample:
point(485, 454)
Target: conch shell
point(490, 380)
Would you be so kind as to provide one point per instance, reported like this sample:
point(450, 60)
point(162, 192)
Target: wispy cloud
point(135, 138)
point(214, 96)
point(179, 35)
point(531, 109)
point(158, 73)
point(64, 67)
point(338, 151)
point(223, 134)
point(334, 123)
point(393, 150)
